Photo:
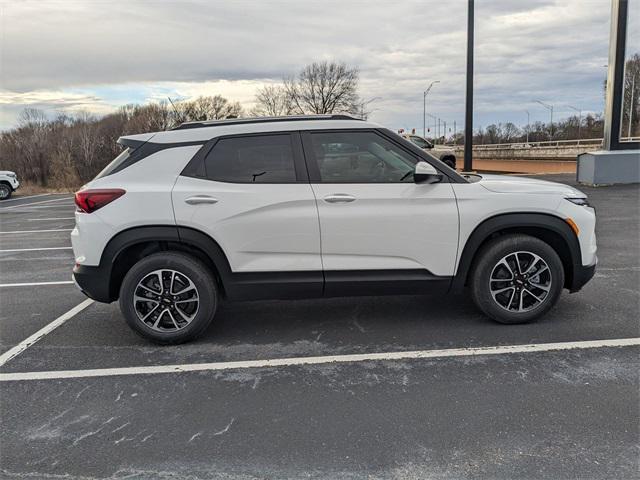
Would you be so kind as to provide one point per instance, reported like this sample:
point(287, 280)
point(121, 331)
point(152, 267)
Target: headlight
point(582, 201)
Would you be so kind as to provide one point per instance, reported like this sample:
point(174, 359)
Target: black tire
point(489, 258)
point(185, 265)
point(5, 191)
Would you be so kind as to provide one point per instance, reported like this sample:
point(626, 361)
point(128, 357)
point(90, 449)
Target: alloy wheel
point(166, 300)
point(520, 282)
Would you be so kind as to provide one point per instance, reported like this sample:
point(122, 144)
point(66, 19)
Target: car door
point(375, 221)
point(251, 194)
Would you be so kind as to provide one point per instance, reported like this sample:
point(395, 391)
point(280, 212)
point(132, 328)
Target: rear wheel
point(168, 297)
point(517, 279)
point(5, 191)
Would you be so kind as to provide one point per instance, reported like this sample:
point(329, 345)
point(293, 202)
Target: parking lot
point(83, 397)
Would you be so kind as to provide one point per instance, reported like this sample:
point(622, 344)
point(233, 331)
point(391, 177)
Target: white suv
point(322, 206)
point(8, 184)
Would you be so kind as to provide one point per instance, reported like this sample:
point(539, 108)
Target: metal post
point(550, 108)
point(424, 114)
point(424, 107)
point(615, 78)
point(528, 126)
point(468, 119)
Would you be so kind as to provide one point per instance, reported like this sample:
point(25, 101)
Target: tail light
point(90, 200)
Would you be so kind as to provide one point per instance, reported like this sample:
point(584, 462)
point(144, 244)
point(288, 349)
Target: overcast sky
point(96, 55)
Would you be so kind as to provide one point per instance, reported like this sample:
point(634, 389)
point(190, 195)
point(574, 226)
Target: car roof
point(203, 131)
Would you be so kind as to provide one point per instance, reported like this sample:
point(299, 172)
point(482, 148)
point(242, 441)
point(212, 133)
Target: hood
point(7, 172)
point(510, 184)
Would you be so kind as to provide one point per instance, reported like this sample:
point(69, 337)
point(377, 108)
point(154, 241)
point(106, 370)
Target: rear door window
point(252, 159)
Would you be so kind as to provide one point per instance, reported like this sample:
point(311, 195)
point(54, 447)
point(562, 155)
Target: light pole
point(550, 108)
point(468, 103)
point(435, 120)
point(424, 107)
point(528, 126)
point(579, 118)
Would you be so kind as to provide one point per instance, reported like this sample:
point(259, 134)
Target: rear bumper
point(94, 282)
point(581, 275)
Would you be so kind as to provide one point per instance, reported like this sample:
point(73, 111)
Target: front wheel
point(516, 279)
point(168, 297)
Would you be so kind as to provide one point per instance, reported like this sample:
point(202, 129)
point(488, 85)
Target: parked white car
point(8, 184)
point(319, 206)
point(442, 152)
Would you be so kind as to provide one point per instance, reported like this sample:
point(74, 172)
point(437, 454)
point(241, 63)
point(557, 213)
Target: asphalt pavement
point(513, 414)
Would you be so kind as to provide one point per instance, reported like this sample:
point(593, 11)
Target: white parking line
point(37, 231)
point(24, 198)
point(40, 207)
point(35, 284)
point(12, 250)
point(287, 362)
point(22, 346)
point(35, 203)
point(49, 219)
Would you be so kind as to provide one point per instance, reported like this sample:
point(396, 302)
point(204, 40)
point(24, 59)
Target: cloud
point(104, 54)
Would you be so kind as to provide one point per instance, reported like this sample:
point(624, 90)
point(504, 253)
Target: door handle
point(201, 199)
point(339, 198)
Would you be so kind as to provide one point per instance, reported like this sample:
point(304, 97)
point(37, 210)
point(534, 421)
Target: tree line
point(69, 150)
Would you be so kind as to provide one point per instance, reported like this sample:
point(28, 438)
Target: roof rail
point(240, 121)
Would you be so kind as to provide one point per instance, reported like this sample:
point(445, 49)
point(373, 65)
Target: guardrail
point(591, 142)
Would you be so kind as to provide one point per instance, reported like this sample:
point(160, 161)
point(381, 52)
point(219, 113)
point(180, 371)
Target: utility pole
point(455, 141)
point(468, 118)
point(528, 126)
point(424, 108)
point(579, 118)
point(550, 108)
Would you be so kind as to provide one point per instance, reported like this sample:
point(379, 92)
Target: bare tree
point(325, 87)
point(34, 129)
point(631, 98)
point(206, 108)
point(272, 101)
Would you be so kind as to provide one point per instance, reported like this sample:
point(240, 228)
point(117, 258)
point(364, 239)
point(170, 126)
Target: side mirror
point(425, 173)
point(429, 145)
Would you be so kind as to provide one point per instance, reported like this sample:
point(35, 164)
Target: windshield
point(421, 142)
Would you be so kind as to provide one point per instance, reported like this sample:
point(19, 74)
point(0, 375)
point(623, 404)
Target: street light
point(550, 108)
point(579, 118)
point(363, 113)
point(528, 126)
point(435, 123)
point(424, 107)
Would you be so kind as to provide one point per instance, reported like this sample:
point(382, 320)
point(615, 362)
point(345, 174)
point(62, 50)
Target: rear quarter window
point(117, 163)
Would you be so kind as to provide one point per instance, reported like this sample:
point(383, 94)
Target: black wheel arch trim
point(499, 223)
